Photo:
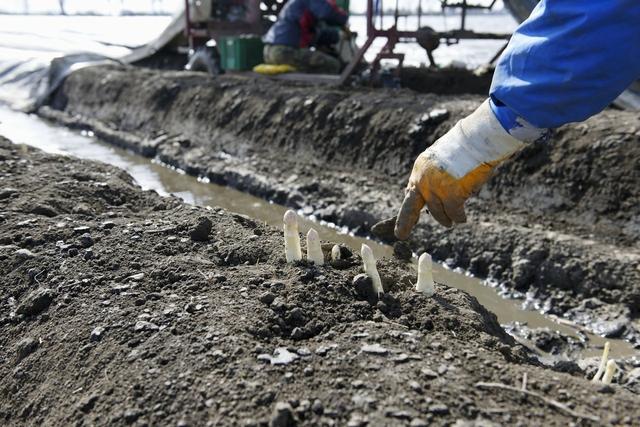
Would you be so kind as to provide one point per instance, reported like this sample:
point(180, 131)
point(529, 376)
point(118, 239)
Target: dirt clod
point(97, 333)
point(202, 230)
point(85, 240)
point(25, 348)
point(45, 210)
point(25, 253)
point(384, 230)
point(282, 416)
point(36, 302)
point(364, 288)
point(267, 297)
point(87, 404)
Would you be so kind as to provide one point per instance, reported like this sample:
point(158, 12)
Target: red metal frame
point(252, 23)
point(395, 36)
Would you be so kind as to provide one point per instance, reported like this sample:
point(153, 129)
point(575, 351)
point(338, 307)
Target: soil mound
point(114, 314)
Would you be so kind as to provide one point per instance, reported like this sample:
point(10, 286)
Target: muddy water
point(31, 130)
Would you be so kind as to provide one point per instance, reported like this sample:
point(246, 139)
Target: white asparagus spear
point(603, 362)
point(335, 253)
point(610, 372)
point(425, 276)
point(370, 268)
point(314, 250)
point(292, 250)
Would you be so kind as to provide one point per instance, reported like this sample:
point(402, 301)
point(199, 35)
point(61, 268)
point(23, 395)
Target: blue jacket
point(296, 22)
point(567, 62)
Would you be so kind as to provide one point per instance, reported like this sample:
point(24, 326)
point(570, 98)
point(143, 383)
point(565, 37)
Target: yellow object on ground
point(273, 69)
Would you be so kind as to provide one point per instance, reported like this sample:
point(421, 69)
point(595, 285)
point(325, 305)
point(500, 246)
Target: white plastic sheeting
point(37, 52)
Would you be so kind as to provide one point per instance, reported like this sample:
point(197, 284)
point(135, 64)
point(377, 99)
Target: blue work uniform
point(296, 22)
point(565, 63)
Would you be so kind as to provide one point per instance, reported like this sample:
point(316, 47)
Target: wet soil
point(118, 307)
point(557, 226)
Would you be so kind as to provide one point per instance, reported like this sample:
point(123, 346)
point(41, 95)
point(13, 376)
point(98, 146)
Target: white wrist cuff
point(474, 140)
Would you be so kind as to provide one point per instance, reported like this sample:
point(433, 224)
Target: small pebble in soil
point(397, 413)
point(44, 210)
point(87, 404)
point(303, 351)
point(142, 325)
point(357, 420)
point(606, 389)
point(5, 193)
point(428, 373)
point(374, 349)
point(282, 416)
point(97, 333)
point(278, 304)
point(415, 386)
point(107, 225)
point(25, 347)
point(281, 356)
point(317, 407)
point(296, 315)
point(384, 230)
point(276, 286)
point(402, 358)
point(267, 297)
point(439, 409)
point(131, 415)
point(324, 349)
point(297, 333)
point(85, 240)
point(36, 302)
point(364, 288)
point(200, 233)
point(25, 253)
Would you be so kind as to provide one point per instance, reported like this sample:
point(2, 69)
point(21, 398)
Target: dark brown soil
point(559, 223)
point(446, 81)
point(115, 311)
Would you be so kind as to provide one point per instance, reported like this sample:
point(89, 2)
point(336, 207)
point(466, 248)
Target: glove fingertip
point(409, 214)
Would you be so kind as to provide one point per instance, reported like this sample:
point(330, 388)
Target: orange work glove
point(446, 174)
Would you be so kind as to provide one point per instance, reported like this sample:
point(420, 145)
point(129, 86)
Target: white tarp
point(29, 45)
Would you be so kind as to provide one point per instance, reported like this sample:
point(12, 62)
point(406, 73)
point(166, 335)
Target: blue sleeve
point(567, 61)
point(328, 11)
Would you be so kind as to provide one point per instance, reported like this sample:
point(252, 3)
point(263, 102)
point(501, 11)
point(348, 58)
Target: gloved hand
point(446, 174)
